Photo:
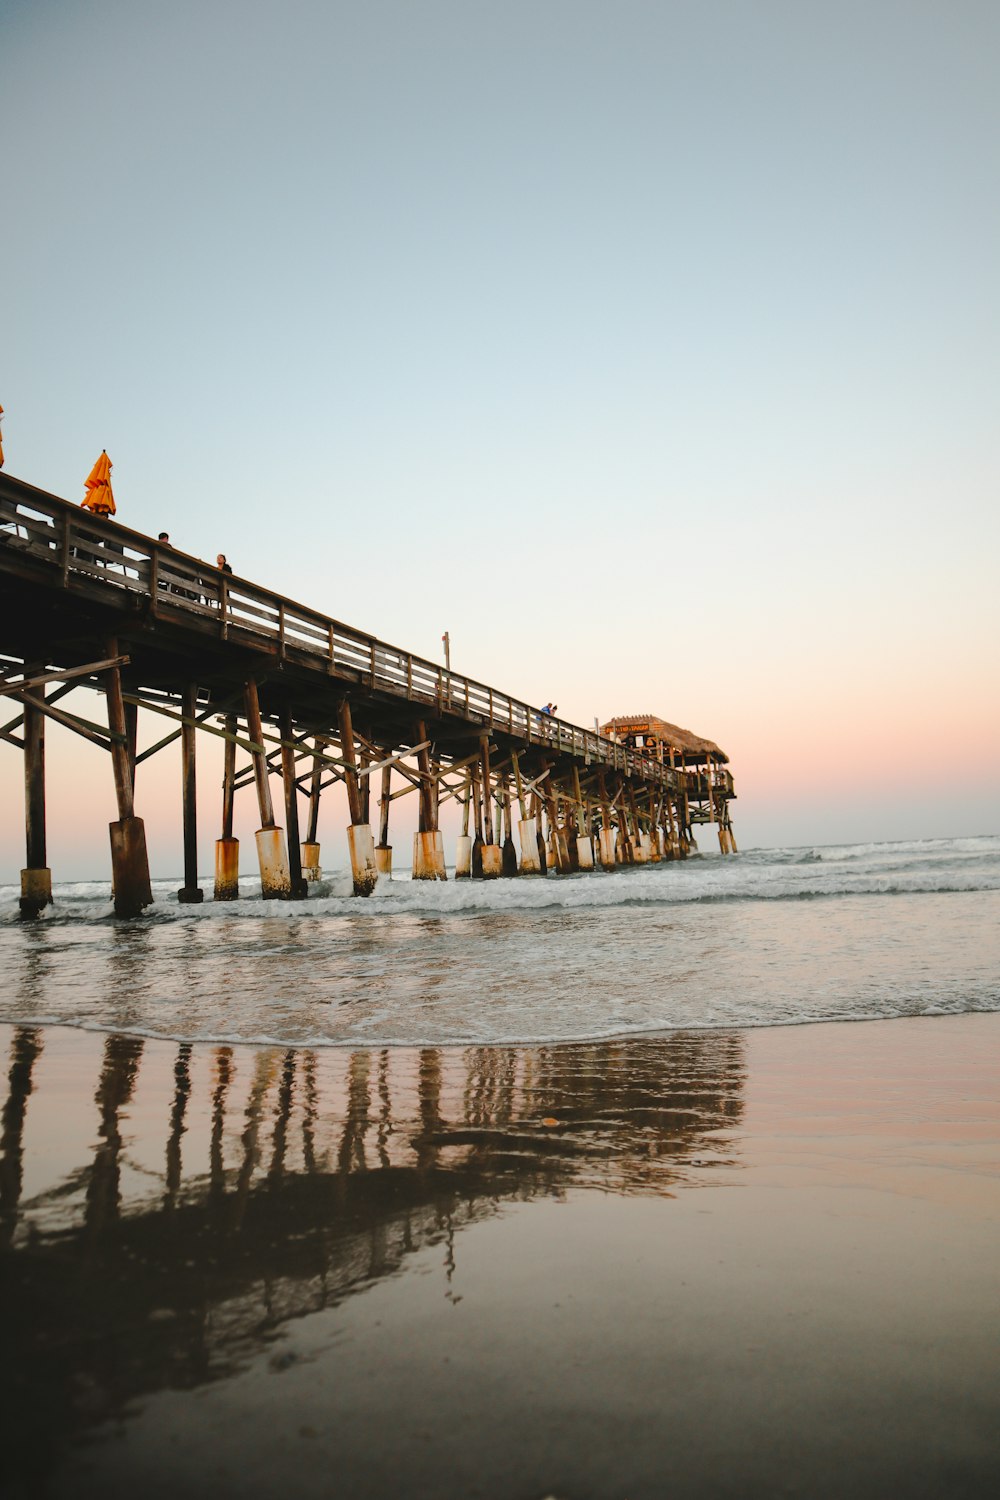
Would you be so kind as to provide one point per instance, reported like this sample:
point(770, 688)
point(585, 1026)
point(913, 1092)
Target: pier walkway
point(85, 602)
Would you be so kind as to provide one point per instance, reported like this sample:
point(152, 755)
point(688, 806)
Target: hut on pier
point(651, 735)
point(709, 785)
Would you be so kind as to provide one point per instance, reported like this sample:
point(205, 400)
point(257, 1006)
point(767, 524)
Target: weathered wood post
point(428, 845)
point(383, 849)
point(272, 852)
point(190, 892)
point(463, 848)
point(492, 853)
point(129, 861)
point(623, 848)
point(640, 846)
point(655, 852)
point(298, 886)
point(477, 843)
point(36, 878)
point(537, 813)
point(527, 829)
point(606, 840)
point(584, 843)
point(560, 852)
point(227, 849)
point(710, 789)
point(359, 835)
point(509, 852)
point(310, 848)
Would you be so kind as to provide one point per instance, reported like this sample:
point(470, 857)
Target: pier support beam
point(383, 849)
point(190, 892)
point(36, 878)
point(509, 852)
point(463, 848)
point(360, 842)
point(583, 853)
point(272, 853)
point(428, 845)
point(492, 854)
point(311, 871)
point(298, 886)
point(227, 849)
point(129, 860)
point(527, 828)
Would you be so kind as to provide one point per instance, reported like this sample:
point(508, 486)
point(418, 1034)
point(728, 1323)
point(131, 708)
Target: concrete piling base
point(527, 833)
point(463, 857)
point(640, 850)
point(311, 871)
point(509, 858)
point(584, 851)
point(129, 867)
point(36, 891)
point(606, 848)
point(227, 869)
point(364, 870)
point(383, 860)
point(492, 861)
point(272, 857)
point(428, 857)
point(190, 895)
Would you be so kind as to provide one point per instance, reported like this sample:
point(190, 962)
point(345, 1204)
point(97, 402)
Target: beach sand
point(717, 1264)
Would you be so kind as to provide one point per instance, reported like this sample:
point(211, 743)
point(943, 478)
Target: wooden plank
point(60, 677)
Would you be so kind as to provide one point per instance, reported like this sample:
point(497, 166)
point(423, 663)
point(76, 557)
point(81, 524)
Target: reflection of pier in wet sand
point(282, 1181)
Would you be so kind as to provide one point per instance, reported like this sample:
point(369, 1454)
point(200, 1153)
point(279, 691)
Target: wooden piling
point(359, 836)
point(298, 886)
point(428, 847)
point(190, 892)
point(509, 855)
point(477, 843)
point(272, 852)
point(36, 877)
point(492, 854)
point(129, 860)
point(463, 850)
point(383, 849)
point(311, 870)
point(527, 829)
point(227, 849)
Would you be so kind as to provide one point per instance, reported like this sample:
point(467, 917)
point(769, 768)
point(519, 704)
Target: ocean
point(502, 1192)
point(770, 937)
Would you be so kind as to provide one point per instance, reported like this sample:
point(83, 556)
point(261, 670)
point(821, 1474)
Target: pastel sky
point(648, 348)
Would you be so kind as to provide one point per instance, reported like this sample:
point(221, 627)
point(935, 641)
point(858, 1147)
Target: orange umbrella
point(99, 498)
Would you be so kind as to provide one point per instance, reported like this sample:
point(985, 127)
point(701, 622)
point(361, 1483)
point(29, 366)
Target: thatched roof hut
point(646, 732)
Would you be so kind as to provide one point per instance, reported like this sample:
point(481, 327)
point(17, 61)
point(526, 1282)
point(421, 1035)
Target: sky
point(650, 349)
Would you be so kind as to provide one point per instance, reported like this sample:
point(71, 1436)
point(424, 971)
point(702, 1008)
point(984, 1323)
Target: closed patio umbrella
point(99, 498)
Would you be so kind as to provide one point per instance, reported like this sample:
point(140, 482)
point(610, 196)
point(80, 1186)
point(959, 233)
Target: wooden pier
point(298, 696)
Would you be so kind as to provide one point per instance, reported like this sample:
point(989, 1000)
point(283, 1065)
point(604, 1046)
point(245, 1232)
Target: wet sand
point(727, 1263)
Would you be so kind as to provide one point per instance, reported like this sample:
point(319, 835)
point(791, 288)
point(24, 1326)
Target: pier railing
point(91, 552)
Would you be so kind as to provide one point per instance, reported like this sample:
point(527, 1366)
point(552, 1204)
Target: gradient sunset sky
point(650, 349)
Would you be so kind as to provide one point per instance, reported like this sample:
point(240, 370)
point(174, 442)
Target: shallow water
point(712, 1263)
point(772, 937)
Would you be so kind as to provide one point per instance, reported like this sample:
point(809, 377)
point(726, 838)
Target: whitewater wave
point(931, 867)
